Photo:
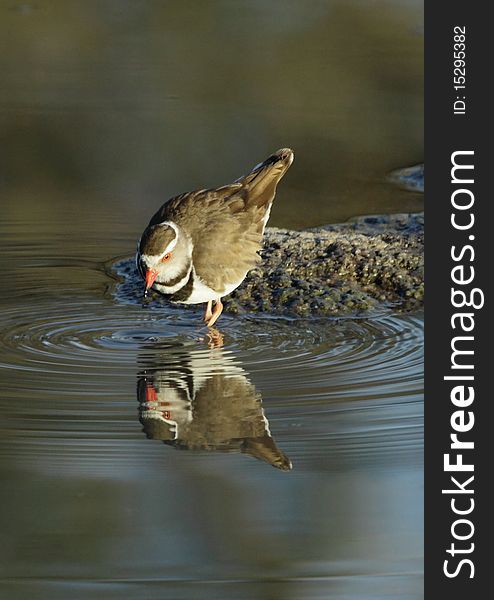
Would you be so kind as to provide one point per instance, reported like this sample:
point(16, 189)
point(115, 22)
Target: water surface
point(89, 503)
point(136, 460)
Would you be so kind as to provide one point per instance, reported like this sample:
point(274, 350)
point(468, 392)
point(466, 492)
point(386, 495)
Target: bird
point(199, 246)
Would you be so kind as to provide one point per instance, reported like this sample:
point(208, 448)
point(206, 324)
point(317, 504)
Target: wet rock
point(410, 178)
point(338, 269)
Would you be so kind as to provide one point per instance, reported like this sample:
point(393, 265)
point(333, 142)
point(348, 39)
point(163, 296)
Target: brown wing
point(227, 223)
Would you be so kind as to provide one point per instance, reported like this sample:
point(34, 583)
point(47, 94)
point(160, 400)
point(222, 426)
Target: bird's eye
point(167, 257)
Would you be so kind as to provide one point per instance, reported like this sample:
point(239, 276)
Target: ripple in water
point(343, 385)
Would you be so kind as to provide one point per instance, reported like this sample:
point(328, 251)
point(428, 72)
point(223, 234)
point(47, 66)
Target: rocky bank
point(338, 269)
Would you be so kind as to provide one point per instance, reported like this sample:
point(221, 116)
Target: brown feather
point(154, 239)
point(226, 224)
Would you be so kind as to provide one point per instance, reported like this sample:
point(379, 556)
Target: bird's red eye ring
point(167, 257)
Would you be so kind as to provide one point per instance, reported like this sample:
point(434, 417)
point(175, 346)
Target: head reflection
point(200, 399)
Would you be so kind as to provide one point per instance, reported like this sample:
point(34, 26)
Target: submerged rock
point(410, 178)
point(344, 269)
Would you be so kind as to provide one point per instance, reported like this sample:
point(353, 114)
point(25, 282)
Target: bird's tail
point(264, 448)
point(261, 182)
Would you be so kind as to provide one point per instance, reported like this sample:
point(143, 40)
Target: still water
point(137, 460)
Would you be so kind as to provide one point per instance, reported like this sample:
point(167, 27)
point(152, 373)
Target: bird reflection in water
point(200, 399)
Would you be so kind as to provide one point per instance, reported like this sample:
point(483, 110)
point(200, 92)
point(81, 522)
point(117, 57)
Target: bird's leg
point(215, 338)
point(218, 307)
point(209, 313)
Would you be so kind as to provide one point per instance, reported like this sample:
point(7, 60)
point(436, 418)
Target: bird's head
point(164, 254)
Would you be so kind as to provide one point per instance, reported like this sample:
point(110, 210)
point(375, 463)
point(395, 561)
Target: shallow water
point(92, 506)
point(102, 122)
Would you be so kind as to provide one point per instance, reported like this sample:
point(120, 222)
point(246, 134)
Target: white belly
point(203, 293)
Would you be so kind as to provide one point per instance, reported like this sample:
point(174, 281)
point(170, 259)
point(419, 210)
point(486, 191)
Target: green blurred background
point(116, 105)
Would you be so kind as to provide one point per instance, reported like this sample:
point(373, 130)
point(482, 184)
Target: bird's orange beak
point(150, 278)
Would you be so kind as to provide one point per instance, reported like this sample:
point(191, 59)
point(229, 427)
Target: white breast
point(203, 293)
